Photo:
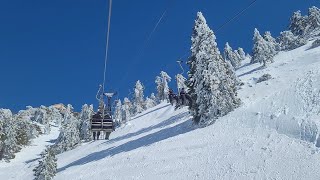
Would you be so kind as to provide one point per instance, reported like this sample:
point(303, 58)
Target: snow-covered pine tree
point(181, 82)
point(288, 41)
point(272, 43)
point(298, 24)
point(9, 138)
point(138, 101)
point(261, 50)
point(231, 56)
point(127, 106)
point(210, 79)
point(150, 103)
point(54, 115)
point(85, 116)
point(154, 98)
point(41, 117)
point(47, 167)
point(241, 53)
point(313, 19)
point(165, 79)
point(160, 94)
point(69, 136)
point(118, 113)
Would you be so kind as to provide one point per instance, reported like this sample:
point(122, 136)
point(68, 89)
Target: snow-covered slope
point(273, 135)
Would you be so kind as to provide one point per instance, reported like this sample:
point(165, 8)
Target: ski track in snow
point(273, 135)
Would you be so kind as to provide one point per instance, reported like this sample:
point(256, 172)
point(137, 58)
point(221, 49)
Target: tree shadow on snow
point(253, 70)
point(144, 141)
point(150, 112)
point(167, 122)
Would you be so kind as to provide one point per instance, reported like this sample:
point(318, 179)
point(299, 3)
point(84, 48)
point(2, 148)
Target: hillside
point(273, 135)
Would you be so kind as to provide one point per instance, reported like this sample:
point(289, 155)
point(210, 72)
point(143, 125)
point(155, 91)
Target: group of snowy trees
point(74, 129)
point(124, 111)
point(211, 80)
point(301, 28)
point(17, 130)
point(234, 57)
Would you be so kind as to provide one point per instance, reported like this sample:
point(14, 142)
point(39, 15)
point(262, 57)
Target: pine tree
point(232, 56)
point(298, 24)
point(210, 79)
point(127, 106)
point(69, 136)
point(54, 115)
point(181, 82)
point(272, 43)
point(41, 117)
point(261, 50)
point(150, 103)
point(118, 113)
point(241, 53)
point(138, 98)
point(160, 94)
point(85, 116)
point(154, 98)
point(47, 167)
point(313, 18)
point(288, 41)
point(165, 79)
point(9, 138)
point(162, 86)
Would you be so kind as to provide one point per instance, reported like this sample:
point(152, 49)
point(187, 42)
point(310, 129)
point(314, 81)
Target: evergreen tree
point(231, 56)
point(127, 106)
point(9, 138)
point(272, 43)
point(210, 79)
point(181, 82)
point(54, 115)
point(41, 117)
point(288, 41)
point(85, 116)
point(298, 24)
point(138, 98)
point(118, 113)
point(47, 167)
point(160, 94)
point(162, 85)
point(241, 53)
point(313, 18)
point(261, 50)
point(154, 98)
point(150, 103)
point(69, 136)
point(165, 79)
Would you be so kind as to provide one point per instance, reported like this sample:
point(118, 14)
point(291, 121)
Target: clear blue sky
point(53, 51)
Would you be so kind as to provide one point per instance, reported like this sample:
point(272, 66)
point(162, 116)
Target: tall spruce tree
point(138, 102)
point(118, 113)
point(47, 167)
point(85, 126)
point(211, 82)
point(69, 136)
point(261, 50)
point(127, 107)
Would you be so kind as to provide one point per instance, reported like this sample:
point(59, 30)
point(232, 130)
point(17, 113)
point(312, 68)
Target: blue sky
point(53, 51)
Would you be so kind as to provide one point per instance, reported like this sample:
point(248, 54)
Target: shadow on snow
point(144, 141)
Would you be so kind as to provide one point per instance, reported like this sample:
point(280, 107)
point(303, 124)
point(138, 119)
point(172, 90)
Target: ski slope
point(273, 135)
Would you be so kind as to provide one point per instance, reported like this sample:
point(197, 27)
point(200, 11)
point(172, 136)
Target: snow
point(27, 159)
point(274, 134)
